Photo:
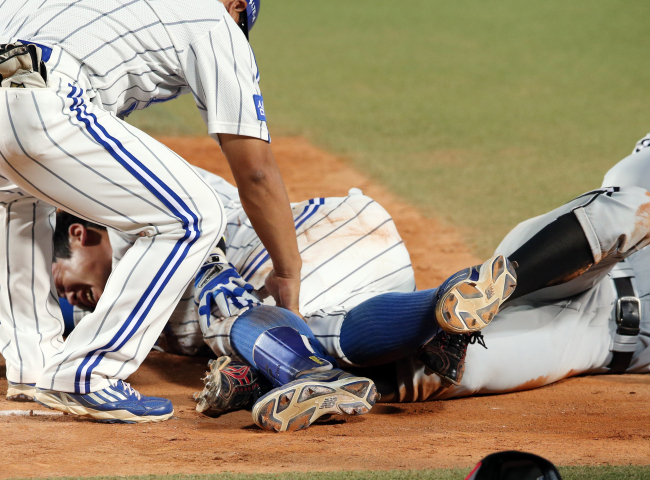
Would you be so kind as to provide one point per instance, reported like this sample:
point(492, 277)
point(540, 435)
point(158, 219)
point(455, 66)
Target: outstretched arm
point(266, 203)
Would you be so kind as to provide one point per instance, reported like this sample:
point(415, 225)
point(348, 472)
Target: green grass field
point(568, 473)
point(480, 112)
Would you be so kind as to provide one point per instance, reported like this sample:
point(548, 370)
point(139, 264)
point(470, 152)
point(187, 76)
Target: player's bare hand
point(285, 291)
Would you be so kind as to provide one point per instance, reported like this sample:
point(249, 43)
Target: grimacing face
point(82, 277)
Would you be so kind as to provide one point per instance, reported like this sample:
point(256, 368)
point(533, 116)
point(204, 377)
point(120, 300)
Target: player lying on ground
point(69, 72)
point(352, 256)
point(489, 371)
point(595, 321)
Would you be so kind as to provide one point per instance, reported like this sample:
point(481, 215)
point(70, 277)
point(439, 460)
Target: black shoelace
point(477, 337)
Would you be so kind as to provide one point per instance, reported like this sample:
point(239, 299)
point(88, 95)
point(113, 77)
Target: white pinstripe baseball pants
point(58, 147)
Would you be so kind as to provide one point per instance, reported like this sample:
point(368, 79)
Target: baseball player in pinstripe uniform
point(69, 70)
point(352, 255)
point(578, 321)
point(584, 323)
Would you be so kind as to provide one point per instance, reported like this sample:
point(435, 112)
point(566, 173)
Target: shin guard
point(282, 355)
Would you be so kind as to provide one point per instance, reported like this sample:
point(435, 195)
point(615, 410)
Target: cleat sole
point(21, 397)
point(298, 404)
point(471, 305)
point(21, 393)
point(212, 382)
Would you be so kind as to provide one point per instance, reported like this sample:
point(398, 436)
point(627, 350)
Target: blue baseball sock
point(388, 327)
point(255, 321)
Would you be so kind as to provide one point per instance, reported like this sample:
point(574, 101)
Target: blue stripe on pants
point(180, 250)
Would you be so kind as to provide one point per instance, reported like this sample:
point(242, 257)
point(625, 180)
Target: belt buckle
point(628, 315)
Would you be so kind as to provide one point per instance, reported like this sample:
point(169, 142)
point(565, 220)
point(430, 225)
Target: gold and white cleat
point(468, 300)
point(300, 403)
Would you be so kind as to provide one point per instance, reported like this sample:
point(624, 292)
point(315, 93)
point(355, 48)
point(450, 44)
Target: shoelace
point(129, 389)
point(477, 337)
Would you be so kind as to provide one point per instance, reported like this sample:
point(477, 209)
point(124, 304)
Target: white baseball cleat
point(300, 403)
point(468, 300)
point(20, 392)
point(119, 403)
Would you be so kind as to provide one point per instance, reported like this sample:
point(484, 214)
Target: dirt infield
point(590, 420)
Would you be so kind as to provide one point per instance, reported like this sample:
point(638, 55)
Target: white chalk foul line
point(28, 413)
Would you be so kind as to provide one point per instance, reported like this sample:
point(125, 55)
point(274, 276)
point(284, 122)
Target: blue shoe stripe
point(88, 400)
point(120, 394)
point(166, 196)
point(111, 395)
point(102, 394)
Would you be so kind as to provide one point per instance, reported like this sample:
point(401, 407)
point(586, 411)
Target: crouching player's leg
point(305, 382)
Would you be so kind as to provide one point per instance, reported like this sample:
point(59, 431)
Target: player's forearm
point(265, 200)
point(267, 206)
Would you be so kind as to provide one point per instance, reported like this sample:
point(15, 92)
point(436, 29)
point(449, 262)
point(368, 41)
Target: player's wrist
point(290, 271)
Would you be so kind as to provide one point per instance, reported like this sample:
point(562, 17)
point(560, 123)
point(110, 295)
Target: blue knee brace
point(282, 354)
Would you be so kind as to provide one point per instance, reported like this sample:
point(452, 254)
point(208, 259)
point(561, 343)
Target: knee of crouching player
point(209, 215)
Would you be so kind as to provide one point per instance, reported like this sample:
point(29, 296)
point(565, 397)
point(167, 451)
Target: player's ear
point(237, 6)
point(241, 5)
point(78, 234)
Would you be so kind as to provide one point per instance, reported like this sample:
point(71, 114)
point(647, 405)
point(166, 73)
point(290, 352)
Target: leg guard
point(282, 355)
point(558, 253)
point(614, 222)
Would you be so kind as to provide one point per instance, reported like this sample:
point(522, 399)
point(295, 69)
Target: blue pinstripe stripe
point(253, 262)
point(85, 117)
point(257, 267)
point(298, 223)
point(243, 272)
point(321, 201)
point(168, 198)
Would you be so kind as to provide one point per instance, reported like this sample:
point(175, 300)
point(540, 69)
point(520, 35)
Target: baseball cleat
point(20, 392)
point(119, 403)
point(468, 300)
point(229, 386)
point(445, 355)
point(300, 403)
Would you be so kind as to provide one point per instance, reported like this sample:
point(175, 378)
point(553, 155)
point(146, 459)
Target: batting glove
point(219, 290)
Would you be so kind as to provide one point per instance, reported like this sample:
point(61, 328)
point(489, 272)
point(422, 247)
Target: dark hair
point(61, 233)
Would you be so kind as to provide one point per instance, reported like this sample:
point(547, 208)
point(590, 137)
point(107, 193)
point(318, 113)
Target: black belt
point(628, 325)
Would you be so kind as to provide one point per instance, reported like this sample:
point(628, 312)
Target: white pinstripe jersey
point(138, 52)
